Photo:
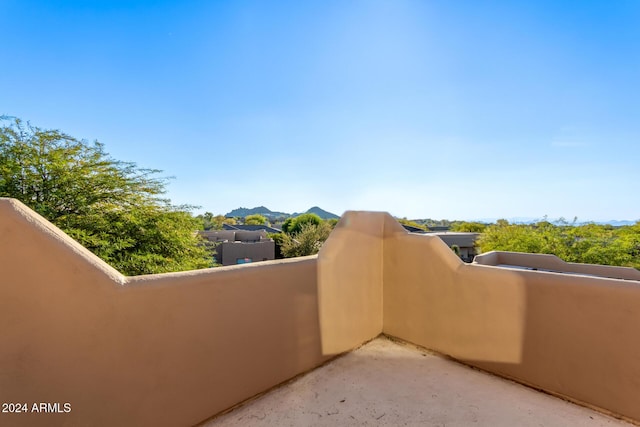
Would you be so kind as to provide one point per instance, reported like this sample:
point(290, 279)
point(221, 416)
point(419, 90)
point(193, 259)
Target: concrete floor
point(389, 384)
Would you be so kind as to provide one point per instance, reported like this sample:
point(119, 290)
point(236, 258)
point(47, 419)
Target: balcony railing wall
point(177, 348)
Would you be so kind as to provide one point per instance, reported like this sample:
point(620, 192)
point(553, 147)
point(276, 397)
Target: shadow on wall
point(350, 282)
point(574, 336)
point(434, 299)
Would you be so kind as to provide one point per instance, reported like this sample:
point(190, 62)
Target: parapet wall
point(175, 349)
point(552, 263)
point(575, 336)
point(164, 350)
point(350, 280)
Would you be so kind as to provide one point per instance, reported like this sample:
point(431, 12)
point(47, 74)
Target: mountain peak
point(322, 213)
point(264, 211)
point(259, 210)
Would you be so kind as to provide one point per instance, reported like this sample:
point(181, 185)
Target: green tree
point(278, 239)
point(307, 241)
point(469, 227)
point(295, 225)
point(538, 238)
point(211, 222)
point(588, 243)
point(600, 244)
point(207, 220)
point(256, 219)
point(287, 224)
point(332, 222)
point(630, 242)
point(224, 220)
point(113, 208)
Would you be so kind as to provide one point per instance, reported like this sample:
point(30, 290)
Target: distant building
point(252, 227)
point(464, 241)
point(439, 228)
point(412, 229)
point(241, 246)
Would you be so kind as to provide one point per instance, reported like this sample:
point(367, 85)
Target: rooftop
point(388, 383)
point(251, 227)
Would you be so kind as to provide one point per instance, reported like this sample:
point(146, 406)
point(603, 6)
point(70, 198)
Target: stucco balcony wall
point(175, 349)
point(552, 263)
point(571, 335)
point(168, 349)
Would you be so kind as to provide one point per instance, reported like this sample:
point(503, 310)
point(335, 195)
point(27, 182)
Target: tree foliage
point(113, 208)
point(214, 222)
point(469, 227)
point(287, 224)
point(588, 243)
point(307, 241)
point(295, 225)
point(302, 235)
point(332, 222)
point(278, 239)
point(256, 219)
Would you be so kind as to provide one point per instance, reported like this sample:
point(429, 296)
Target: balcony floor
point(385, 383)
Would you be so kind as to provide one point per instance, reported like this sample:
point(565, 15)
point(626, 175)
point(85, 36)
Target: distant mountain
point(320, 212)
point(261, 210)
point(618, 223)
point(529, 220)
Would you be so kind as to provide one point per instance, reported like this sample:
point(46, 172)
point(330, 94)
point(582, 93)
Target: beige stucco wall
point(169, 349)
point(350, 280)
point(174, 349)
point(431, 299)
point(552, 262)
point(571, 335)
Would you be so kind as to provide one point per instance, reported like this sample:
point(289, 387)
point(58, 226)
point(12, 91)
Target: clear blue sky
point(441, 109)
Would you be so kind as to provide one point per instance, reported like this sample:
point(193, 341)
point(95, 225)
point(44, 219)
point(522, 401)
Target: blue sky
point(440, 109)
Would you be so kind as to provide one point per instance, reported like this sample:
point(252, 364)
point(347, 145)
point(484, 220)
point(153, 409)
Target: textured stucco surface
point(174, 349)
point(387, 384)
point(168, 349)
point(575, 336)
point(74, 330)
point(555, 264)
